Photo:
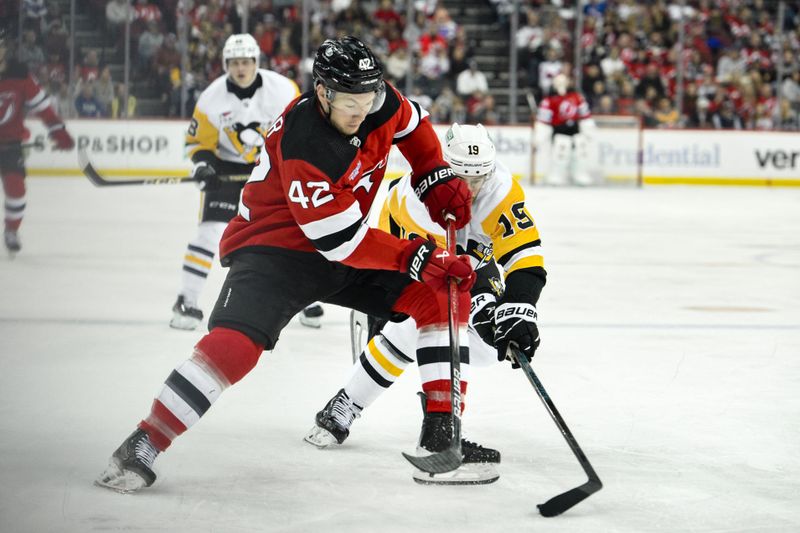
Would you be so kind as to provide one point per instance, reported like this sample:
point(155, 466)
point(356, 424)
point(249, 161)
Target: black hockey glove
point(481, 316)
point(515, 323)
point(206, 176)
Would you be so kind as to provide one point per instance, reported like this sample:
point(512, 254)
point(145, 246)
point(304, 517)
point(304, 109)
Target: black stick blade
point(437, 463)
point(558, 504)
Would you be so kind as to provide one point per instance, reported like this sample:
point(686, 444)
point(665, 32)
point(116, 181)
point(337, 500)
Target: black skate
point(311, 316)
point(185, 316)
point(333, 422)
point(13, 245)
point(130, 466)
point(479, 463)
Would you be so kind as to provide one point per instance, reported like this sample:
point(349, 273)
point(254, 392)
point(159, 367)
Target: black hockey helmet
point(349, 66)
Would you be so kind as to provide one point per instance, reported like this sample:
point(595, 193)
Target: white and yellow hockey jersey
point(500, 224)
point(233, 128)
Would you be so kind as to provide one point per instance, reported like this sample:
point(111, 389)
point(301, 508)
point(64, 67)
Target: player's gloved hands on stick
point(443, 192)
point(429, 264)
point(61, 137)
point(481, 315)
point(206, 176)
point(515, 323)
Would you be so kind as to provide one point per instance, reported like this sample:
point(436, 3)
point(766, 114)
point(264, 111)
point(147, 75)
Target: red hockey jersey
point(19, 96)
point(567, 110)
point(313, 187)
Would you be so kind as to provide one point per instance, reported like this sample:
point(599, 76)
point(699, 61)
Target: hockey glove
point(481, 316)
point(206, 177)
point(443, 192)
point(515, 323)
point(427, 263)
point(61, 137)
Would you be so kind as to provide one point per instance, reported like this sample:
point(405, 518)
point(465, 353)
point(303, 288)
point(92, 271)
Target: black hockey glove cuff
point(206, 177)
point(516, 323)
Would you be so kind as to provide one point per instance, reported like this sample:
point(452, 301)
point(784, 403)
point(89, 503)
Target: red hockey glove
point(427, 263)
point(61, 138)
point(443, 192)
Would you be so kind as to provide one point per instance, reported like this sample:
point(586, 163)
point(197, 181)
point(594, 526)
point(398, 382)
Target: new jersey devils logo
point(7, 105)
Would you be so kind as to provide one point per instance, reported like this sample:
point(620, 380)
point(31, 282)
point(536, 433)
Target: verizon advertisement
point(154, 148)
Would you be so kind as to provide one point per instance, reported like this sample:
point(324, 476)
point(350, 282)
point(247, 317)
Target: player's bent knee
point(232, 354)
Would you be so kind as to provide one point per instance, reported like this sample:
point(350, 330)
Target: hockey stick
point(560, 503)
point(450, 458)
point(98, 180)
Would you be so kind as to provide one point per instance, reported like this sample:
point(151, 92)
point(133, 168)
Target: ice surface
point(671, 346)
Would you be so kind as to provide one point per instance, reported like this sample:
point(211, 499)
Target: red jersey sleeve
point(545, 112)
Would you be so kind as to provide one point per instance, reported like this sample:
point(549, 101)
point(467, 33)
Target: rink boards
point(155, 148)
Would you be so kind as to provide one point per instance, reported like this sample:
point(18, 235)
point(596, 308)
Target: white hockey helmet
point(240, 45)
point(471, 154)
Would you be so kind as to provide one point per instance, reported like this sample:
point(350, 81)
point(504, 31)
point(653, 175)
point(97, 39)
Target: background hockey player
point(225, 137)
point(502, 232)
point(20, 95)
point(564, 131)
point(301, 236)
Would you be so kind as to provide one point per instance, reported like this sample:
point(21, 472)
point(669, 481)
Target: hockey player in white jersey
point(503, 311)
point(224, 138)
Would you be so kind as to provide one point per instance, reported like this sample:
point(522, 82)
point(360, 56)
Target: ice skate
point(311, 316)
point(13, 244)
point(184, 315)
point(130, 466)
point(333, 422)
point(478, 465)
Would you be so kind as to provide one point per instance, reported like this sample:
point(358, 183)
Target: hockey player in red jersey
point(20, 95)
point(301, 236)
point(564, 124)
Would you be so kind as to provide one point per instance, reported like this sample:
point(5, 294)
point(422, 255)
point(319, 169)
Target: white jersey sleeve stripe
point(333, 224)
point(345, 249)
point(417, 114)
point(37, 103)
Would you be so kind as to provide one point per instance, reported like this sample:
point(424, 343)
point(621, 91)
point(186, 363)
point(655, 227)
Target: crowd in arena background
point(731, 58)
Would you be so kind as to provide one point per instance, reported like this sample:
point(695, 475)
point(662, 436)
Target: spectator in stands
point(612, 64)
point(90, 68)
point(790, 88)
point(443, 107)
point(650, 84)
point(763, 120)
point(30, 53)
point(34, 13)
point(56, 41)
point(398, 64)
point(166, 58)
point(606, 106)
point(144, 12)
point(725, 117)
point(62, 102)
point(626, 103)
point(386, 15)
point(149, 42)
point(55, 70)
point(665, 115)
point(104, 90)
point(731, 64)
point(119, 109)
point(471, 80)
point(433, 68)
point(550, 68)
point(86, 104)
point(459, 60)
point(267, 36)
point(787, 118)
point(445, 26)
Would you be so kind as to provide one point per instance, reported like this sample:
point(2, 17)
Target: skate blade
point(311, 321)
point(466, 474)
point(320, 437)
point(184, 322)
point(121, 481)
